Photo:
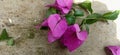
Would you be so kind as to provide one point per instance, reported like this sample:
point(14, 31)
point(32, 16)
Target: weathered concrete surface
point(20, 16)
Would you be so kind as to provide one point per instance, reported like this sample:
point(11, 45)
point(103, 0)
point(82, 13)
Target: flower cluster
point(60, 20)
point(70, 36)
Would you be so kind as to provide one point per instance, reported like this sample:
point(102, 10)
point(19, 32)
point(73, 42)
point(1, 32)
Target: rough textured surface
point(20, 16)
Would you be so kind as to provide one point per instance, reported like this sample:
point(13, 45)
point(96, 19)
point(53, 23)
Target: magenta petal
point(76, 27)
point(58, 31)
point(53, 20)
point(68, 3)
point(64, 10)
point(60, 28)
point(60, 3)
point(70, 38)
point(67, 6)
point(71, 42)
point(82, 35)
point(51, 38)
point(114, 49)
point(63, 5)
point(45, 23)
point(118, 51)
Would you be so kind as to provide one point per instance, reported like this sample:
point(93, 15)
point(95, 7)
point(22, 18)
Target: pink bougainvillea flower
point(58, 31)
point(63, 5)
point(73, 37)
point(112, 50)
point(57, 26)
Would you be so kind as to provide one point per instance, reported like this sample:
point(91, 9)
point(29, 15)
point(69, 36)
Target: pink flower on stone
point(73, 37)
point(113, 50)
point(63, 5)
point(57, 26)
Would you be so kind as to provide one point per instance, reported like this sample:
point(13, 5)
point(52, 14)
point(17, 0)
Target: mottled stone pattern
point(20, 16)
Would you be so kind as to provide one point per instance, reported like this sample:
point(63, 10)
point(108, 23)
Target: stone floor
point(20, 16)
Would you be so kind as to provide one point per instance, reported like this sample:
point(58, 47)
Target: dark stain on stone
point(81, 51)
point(31, 33)
point(9, 24)
point(17, 15)
point(41, 51)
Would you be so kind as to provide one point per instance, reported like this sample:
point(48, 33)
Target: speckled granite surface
point(20, 16)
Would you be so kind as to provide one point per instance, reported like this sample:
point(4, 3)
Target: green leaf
point(4, 35)
point(78, 12)
point(70, 19)
point(10, 42)
point(86, 5)
point(91, 21)
point(94, 16)
point(51, 11)
point(111, 15)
